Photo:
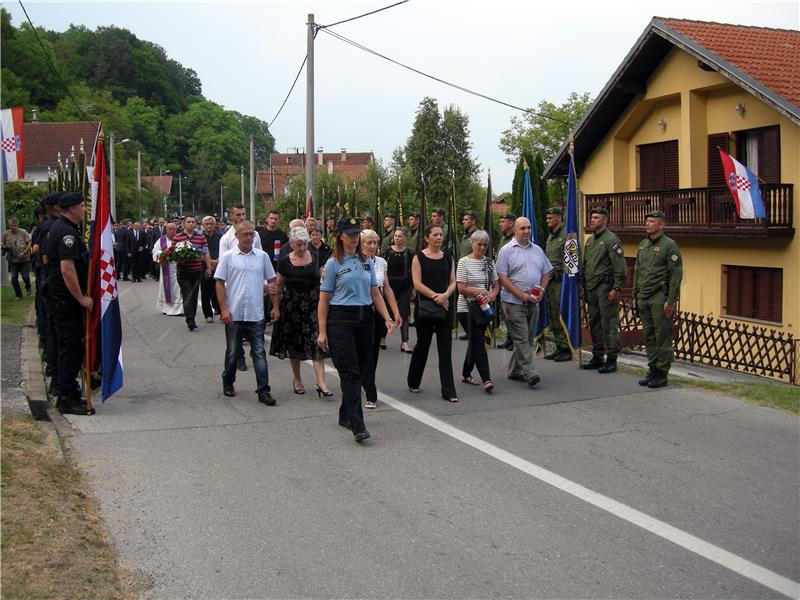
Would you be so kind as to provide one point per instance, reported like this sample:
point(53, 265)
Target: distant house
point(160, 183)
point(650, 141)
point(45, 141)
point(501, 203)
point(284, 167)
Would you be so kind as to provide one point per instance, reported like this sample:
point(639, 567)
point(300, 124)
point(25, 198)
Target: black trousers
point(476, 348)
point(189, 282)
point(68, 322)
point(419, 358)
point(351, 331)
point(368, 376)
point(404, 305)
point(208, 297)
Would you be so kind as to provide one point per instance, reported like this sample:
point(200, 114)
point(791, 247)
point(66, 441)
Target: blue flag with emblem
point(570, 286)
point(530, 214)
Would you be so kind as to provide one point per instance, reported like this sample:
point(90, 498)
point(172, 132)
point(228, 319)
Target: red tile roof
point(152, 181)
point(770, 56)
point(286, 166)
point(43, 141)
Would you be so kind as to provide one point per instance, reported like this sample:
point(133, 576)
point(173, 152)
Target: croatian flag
point(13, 143)
point(744, 187)
point(105, 330)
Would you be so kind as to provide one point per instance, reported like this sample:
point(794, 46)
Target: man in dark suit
point(123, 244)
point(137, 242)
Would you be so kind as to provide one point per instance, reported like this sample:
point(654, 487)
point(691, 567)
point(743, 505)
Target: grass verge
point(12, 311)
point(775, 395)
point(53, 541)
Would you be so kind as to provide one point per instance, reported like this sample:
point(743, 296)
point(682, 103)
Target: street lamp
point(112, 167)
point(161, 173)
point(180, 194)
point(221, 202)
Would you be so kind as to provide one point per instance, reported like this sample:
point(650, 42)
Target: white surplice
point(176, 306)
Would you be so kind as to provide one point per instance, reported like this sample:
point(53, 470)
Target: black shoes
point(346, 425)
point(227, 390)
point(562, 356)
point(191, 325)
point(517, 378)
point(647, 378)
point(551, 356)
point(506, 345)
point(361, 436)
point(595, 363)
point(533, 381)
point(659, 379)
point(241, 365)
point(609, 367)
point(463, 336)
point(266, 398)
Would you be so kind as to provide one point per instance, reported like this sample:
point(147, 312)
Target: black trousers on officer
point(351, 331)
point(68, 323)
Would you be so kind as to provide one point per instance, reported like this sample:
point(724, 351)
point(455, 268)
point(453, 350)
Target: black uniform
point(50, 346)
point(65, 243)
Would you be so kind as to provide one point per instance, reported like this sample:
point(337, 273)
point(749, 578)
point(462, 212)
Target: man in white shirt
point(241, 275)
point(524, 273)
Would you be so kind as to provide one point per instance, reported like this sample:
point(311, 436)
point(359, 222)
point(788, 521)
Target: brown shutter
point(763, 294)
point(769, 155)
point(651, 167)
point(716, 175)
point(671, 174)
point(733, 294)
point(746, 293)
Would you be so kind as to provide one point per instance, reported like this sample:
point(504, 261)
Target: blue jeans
point(254, 332)
point(15, 270)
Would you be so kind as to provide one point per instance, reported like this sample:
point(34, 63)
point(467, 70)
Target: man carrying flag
point(743, 184)
point(555, 254)
point(570, 284)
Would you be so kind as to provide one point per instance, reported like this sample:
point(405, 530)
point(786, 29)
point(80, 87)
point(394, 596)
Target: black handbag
point(476, 313)
point(429, 310)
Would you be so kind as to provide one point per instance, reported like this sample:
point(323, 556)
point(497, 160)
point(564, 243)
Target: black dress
point(295, 333)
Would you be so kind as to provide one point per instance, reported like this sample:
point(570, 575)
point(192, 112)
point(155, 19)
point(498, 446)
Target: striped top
point(472, 271)
point(199, 241)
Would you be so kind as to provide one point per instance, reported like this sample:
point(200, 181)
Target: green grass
point(776, 395)
point(12, 311)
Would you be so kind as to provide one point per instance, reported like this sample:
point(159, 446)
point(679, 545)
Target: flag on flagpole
point(13, 143)
point(570, 285)
point(104, 332)
point(743, 185)
point(529, 213)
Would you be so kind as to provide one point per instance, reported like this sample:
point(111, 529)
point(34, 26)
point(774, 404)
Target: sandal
point(413, 390)
point(404, 348)
point(470, 380)
point(452, 399)
point(488, 386)
point(298, 389)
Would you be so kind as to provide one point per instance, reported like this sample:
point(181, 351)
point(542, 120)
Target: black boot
point(595, 363)
point(647, 378)
point(610, 366)
point(659, 379)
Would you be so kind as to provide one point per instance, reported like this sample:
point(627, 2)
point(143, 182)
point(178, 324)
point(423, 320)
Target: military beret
point(655, 214)
point(554, 210)
point(437, 211)
point(509, 216)
point(390, 215)
point(599, 211)
point(52, 198)
point(470, 213)
point(414, 214)
point(70, 199)
point(349, 225)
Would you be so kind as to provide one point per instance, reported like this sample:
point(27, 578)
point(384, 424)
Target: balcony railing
point(697, 211)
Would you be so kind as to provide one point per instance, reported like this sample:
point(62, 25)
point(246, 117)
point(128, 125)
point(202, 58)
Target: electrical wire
point(440, 80)
point(361, 16)
point(53, 66)
point(291, 89)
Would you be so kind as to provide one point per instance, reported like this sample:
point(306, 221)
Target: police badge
point(68, 240)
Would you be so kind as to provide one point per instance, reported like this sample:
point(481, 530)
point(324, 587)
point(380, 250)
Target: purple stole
point(165, 278)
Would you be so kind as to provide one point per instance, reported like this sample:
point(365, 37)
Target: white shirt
point(228, 241)
point(244, 276)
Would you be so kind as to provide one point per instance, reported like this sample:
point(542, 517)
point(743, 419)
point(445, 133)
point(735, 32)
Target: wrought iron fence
point(718, 342)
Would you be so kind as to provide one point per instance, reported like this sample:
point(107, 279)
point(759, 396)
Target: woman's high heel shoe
point(298, 389)
point(322, 393)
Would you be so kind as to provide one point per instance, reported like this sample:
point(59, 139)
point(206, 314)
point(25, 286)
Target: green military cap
point(470, 213)
point(414, 214)
point(437, 211)
point(655, 214)
point(555, 210)
point(509, 216)
point(599, 211)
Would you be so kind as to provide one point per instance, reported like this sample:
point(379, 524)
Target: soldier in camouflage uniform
point(555, 254)
point(657, 279)
point(507, 230)
point(604, 273)
point(413, 231)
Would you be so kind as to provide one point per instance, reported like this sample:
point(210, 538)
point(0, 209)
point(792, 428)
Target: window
point(716, 173)
point(658, 166)
point(753, 293)
point(760, 151)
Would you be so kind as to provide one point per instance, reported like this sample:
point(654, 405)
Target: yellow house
point(651, 140)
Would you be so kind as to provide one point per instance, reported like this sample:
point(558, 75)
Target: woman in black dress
point(294, 312)
point(435, 281)
point(398, 271)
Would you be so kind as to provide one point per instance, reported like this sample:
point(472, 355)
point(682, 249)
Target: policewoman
point(69, 266)
point(348, 291)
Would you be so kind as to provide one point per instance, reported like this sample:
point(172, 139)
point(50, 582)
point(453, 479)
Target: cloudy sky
point(522, 52)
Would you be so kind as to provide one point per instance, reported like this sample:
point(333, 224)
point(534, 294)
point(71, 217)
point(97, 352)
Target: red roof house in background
point(44, 141)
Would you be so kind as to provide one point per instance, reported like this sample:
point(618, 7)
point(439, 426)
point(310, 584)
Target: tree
point(20, 200)
point(539, 187)
point(544, 129)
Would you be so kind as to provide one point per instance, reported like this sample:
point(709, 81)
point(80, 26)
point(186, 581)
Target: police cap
point(599, 211)
point(349, 225)
point(554, 210)
point(52, 198)
point(655, 214)
point(509, 216)
point(70, 199)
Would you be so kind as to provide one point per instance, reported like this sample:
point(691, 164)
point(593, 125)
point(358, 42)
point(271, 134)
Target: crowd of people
point(339, 297)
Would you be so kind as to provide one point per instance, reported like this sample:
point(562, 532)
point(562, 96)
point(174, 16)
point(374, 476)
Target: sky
point(522, 52)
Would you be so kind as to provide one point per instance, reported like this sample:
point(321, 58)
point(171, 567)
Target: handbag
point(428, 309)
point(476, 313)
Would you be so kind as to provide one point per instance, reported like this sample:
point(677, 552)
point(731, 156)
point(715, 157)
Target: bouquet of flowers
point(180, 252)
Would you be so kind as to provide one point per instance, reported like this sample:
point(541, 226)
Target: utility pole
point(113, 184)
point(139, 182)
point(252, 182)
point(180, 194)
point(241, 182)
point(310, 115)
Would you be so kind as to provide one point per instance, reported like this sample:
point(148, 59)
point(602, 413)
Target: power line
point(361, 16)
point(53, 66)
point(440, 80)
point(300, 70)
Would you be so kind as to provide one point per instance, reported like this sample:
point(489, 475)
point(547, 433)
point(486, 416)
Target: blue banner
point(529, 213)
point(570, 286)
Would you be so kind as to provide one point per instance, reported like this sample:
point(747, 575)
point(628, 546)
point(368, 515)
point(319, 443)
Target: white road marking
point(735, 563)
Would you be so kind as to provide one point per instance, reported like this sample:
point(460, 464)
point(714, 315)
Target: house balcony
point(706, 212)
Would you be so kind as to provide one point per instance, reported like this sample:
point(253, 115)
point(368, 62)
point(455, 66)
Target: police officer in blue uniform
point(69, 266)
point(346, 322)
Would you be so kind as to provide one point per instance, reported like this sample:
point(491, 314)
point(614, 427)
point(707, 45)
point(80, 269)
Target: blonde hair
point(367, 234)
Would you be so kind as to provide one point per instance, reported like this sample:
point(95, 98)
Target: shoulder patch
point(674, 258)
point(618, 250)
point(69, 240)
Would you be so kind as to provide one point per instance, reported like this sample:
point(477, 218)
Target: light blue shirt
point(244, 276)
point(523, 265)
point(349, 283)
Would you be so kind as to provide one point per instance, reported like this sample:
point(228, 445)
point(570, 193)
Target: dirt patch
point(54, 543)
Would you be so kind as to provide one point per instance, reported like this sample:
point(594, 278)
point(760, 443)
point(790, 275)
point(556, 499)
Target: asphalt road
point(588, 486)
